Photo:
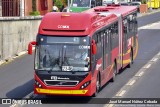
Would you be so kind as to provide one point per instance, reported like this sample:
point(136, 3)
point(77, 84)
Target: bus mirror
point(94, 47)
point(30, 45)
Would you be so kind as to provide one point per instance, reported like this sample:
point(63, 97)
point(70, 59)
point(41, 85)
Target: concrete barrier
point(15, 34)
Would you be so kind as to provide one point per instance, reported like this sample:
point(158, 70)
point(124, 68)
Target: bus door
point(120, 35)
point(135, 28)
point(125, 35)
point(108, 45)
point(103, 47)
point(103, 51)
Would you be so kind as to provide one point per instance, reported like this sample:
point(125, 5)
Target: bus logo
point(63, 26)
point(53, 77)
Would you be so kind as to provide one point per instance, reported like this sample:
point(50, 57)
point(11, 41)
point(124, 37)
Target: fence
point(10, 8)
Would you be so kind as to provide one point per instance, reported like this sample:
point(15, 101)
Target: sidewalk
point(149, 12)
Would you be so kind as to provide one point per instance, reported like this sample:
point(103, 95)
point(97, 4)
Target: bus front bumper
point(60, 92)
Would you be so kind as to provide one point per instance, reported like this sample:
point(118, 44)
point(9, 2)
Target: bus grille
point(60, 83)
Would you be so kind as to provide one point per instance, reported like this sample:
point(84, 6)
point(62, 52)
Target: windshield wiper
point(66, 59)
point(56, 62)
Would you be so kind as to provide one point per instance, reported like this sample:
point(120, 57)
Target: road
point(16, 78)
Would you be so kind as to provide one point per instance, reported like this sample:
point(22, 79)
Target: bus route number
point(67, 68)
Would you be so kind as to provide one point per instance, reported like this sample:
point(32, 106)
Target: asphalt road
point(148, 19)
point(16, 78)
point(147, 86)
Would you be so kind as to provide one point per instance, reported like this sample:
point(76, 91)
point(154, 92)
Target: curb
point(10, 59)
point(148, 13)
point(2, 62)
point(14, 57)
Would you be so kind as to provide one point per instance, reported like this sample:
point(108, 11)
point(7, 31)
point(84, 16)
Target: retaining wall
point(15, 34)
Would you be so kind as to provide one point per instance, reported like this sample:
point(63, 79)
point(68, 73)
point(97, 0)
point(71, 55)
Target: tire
point(97, 86)
point(114, 73)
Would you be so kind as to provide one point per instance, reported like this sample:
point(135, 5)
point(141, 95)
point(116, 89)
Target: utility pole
point(68, 3)
point(22, 8)
point(68, 9)
point(150, 8)
point(0, 8)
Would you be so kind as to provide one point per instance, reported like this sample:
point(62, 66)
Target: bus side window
point(106, 37)
point(125, 23)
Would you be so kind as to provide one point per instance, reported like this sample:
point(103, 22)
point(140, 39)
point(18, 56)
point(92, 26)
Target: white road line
point(151, 26)
point(26, 97)
point(14, 105)
point(135, 78)
point(139, 74)
point(121, 93)
point(131, 82)
point(147, 66)
point(109, 105)
point(154, 59)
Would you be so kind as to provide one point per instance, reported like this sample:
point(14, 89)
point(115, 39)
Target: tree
point(58, 3)
point(143, 1)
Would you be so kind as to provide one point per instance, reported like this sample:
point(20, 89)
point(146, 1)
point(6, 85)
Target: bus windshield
point(63, 54)
point(80, 3)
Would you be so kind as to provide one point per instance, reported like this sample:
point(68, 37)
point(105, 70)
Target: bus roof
point(74, 24)
point(113, 8)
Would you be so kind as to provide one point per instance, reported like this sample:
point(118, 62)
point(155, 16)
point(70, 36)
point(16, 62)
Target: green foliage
point(66, 2)
point(34, 13)
point(58, 3)
point(143, 1)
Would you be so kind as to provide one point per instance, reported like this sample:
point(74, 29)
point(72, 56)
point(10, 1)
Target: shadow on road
point(21, 91)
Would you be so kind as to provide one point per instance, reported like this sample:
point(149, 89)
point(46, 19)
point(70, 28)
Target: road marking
point(134, 79)
point(29, 96)
point(121, 93)
point(14, 105)
point(110, 105)
point(147, 66)
point(131, 82)
point(139, 74)
point(154, 25)
point(154, 59)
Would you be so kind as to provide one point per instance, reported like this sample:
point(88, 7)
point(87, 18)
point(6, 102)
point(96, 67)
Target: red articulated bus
point(77, 53)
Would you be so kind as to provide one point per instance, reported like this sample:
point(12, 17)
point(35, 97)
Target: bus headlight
point(85, 85)
point(38, 84)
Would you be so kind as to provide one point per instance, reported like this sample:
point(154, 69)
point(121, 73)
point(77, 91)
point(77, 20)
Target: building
point(9, 8)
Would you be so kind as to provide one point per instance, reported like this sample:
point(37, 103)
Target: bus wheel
point(114, 72)
point(97, 86)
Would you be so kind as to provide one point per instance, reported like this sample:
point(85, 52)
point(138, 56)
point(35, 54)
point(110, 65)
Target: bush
point(58, 3)
point(143, 1)
point(34, 13)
